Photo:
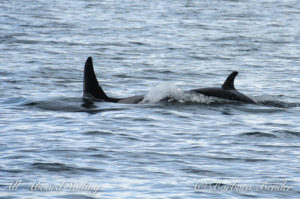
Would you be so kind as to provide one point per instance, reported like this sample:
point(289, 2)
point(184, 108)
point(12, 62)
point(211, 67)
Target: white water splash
point(171, 92)
point(162, 91)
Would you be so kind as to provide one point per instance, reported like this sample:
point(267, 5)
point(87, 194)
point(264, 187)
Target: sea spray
point(162, 91)
point(170, 92)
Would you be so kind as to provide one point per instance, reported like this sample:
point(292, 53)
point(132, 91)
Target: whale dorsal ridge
point(229, 82)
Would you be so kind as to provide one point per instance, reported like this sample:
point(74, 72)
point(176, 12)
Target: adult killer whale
point(92, 89)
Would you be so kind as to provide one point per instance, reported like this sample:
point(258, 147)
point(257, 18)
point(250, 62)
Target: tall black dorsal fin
point(229, 82)
point(91, 86)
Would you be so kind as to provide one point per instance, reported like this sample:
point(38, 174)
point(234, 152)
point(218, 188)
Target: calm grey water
point(54, 145)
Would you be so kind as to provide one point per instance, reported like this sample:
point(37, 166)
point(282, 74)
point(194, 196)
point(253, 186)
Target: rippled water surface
point(55, 145)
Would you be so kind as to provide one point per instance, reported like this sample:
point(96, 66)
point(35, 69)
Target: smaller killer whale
point(92, 89)
point(227, 91)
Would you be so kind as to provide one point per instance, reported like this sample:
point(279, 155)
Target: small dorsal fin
point(91, 86)
point(229, 82)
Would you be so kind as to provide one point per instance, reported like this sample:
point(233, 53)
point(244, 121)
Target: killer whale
point(226, 91)
point(92, 89)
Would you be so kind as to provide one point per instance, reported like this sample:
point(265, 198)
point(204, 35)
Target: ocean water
point(55, 145)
